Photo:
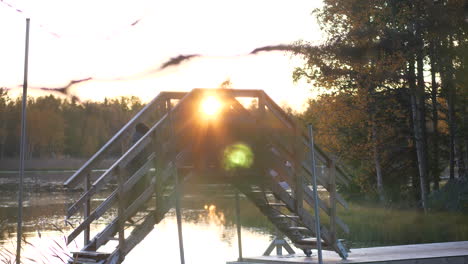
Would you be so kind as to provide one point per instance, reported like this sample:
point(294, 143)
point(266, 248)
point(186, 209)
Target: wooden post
point(332, 199)
point(121, 214)
point(158, 166)
point(299, 192)
point(86, 208)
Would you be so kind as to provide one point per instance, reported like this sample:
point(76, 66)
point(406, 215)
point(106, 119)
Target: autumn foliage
point(62, 128)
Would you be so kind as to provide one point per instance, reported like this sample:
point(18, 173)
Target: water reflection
point(208, 229)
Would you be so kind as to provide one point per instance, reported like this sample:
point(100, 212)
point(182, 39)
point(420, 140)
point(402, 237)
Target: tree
point(377, 48)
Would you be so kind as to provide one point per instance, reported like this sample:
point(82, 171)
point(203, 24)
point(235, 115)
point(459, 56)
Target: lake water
point(208, 228)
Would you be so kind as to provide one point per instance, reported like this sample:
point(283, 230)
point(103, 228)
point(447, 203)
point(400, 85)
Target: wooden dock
point(447, 253)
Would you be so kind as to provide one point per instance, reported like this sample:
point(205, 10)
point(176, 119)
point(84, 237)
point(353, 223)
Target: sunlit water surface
point(209, 232)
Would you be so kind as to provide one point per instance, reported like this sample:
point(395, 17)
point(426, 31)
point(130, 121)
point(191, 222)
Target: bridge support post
point(279, 242)
point(179, 218)
point(316, 196)
point(176, 189)
point(238, 223)
point(121, 215)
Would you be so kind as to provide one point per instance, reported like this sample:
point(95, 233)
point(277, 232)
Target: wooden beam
point(309, 198)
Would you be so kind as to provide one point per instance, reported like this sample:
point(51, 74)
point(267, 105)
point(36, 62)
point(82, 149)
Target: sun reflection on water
point(208, 231)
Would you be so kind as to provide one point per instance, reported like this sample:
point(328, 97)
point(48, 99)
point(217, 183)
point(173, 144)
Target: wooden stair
point(298, 226)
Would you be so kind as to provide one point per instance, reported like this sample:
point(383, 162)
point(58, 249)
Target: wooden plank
point(139, 233)
point(147, 109)
point(342, 224)
point(173, 95)
point(320, 154)
point(137, 175)
point(103, 179)
point(299, 180)
point(231, 92)
point(142, 198)
point(306, 218)
point(106, 176)
point(90, 254)
point(74, 180)
point(322, 182)
point(110, 229)
point(139, 147)
point(434, 253)
point(111, 199)
point(278, 111)
point(309, 198)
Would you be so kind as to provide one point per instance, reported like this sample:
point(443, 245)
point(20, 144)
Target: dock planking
point(447, 253)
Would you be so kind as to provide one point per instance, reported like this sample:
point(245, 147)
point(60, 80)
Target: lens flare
point(238, 155)
point(211, 106)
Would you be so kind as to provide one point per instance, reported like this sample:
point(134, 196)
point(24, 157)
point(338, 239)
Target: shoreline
point(48, 173)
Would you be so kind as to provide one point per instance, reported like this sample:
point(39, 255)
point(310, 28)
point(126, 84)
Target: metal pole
point(238, 223)
point(316, 197)
point(179, 218)
point(177, 194)
point(22, 147)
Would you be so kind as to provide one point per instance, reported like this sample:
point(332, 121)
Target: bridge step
point(87, 257)
point(286, 216)
point(298, 228)
point(308, 242)
point(276, 204)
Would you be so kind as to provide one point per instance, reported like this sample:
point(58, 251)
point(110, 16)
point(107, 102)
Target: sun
point(211, 106)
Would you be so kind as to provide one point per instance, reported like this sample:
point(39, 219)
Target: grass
point(377, 226)
point(372, 225)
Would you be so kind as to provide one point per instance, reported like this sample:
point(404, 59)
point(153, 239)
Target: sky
point(121, 45)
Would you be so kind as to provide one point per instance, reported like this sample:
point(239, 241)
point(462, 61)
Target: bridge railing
point(152, 111)
point(295, 147)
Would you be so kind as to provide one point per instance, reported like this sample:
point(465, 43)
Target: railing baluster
point(86, 208)
point(299, 192)
point(121, 214)
point(332, 184)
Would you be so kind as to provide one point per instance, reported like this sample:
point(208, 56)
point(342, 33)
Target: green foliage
point(375, 60)
point(342, 127)
point(453, 196)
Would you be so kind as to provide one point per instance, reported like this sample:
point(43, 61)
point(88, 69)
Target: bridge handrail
point(74, 180)
point(99, 183)
point(287, 120)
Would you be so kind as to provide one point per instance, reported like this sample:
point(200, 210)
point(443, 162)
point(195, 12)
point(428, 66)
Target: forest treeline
point(397, 112)
point(60, 127)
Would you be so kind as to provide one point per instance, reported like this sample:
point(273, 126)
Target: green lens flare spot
point(238, 155)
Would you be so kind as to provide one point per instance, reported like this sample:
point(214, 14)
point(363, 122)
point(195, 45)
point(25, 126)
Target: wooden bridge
point(258, 149)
